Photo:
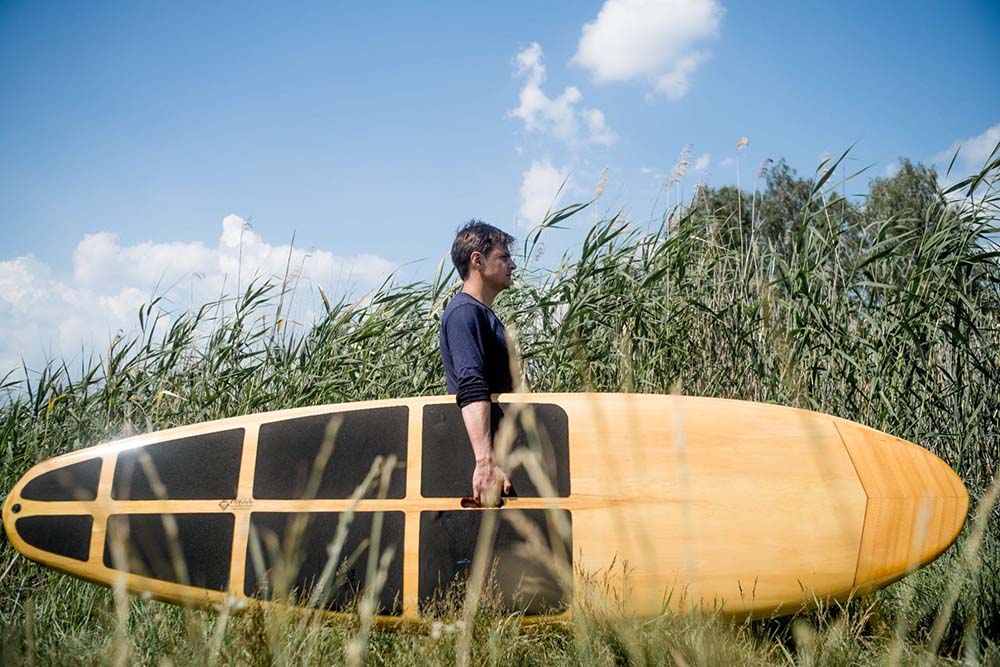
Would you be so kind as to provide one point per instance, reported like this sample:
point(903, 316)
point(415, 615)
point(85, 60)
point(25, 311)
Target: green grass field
point(887, 314)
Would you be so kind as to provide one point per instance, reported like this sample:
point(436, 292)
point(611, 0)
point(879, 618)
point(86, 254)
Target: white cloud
point(45, 315)
point(973, 152)
point(701, 164)
point(677, 82)
point(891, 169)
point(99, 260)
point(727, 162)
point(539, 187)
point(561, 116)
point(598, 131)
point(651, 39)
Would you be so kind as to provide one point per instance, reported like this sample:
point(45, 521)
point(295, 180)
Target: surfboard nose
point(45, 516)
point(916, 507)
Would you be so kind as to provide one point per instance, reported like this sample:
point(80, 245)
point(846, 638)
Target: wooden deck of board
point(697, 501)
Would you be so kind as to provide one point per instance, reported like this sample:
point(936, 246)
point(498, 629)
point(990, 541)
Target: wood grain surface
point(675, 502)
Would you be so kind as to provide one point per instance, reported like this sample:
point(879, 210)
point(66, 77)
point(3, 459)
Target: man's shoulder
point(465, 313)
point(462, 305)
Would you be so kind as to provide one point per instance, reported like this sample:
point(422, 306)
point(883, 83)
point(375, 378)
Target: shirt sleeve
point(466, 332)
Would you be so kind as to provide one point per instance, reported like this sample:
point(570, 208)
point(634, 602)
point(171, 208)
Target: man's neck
point(478, 291)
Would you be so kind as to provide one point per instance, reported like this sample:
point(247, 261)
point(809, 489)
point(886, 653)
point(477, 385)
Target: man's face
point(497, 268)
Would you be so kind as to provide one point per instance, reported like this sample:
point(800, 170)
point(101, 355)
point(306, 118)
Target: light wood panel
point(695, 501)
point(737, 502)
point(916, 505)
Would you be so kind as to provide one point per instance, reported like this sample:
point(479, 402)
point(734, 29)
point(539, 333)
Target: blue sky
point(129, 132)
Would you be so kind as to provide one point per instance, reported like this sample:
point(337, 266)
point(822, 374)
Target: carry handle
point(470, 503)
point(501, 500)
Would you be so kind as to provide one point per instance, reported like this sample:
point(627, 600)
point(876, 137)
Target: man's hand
point(487, 482)
point(487, 479)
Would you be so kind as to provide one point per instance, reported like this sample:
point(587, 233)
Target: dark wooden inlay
point(289, 450)
point(448, 461)
point(77, 481)
point(200, 467)
point(289, 552)
point(191, 549)
point(63, 534)
point(525, 582)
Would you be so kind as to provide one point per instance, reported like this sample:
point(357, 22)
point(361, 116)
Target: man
point(473, 345)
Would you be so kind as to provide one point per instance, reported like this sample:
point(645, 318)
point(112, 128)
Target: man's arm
point(487, 476)
point(465, 333)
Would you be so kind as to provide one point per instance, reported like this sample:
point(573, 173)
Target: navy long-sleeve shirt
point(474, 351)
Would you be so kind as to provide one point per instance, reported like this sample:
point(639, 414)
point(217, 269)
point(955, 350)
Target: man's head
point(485, 249)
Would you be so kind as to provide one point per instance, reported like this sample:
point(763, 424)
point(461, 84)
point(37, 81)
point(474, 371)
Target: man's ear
point(476, 259)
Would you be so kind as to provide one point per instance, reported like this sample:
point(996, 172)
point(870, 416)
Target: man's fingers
point(489, 484)
point(506, 480)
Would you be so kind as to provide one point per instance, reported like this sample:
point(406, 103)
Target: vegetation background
point(885, 311)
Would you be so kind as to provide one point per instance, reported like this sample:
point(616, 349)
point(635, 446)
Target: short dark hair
point(476, 235)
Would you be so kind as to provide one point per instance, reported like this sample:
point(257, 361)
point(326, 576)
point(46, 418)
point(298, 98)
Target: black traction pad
point(448, 462)
point(63, 534)
point(199, 467)
point(524, 581)
point(300, 548)
point(199, 556)
point(73, 482)
point(288, 450)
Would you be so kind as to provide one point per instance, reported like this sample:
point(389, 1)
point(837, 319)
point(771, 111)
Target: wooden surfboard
point(674, 502)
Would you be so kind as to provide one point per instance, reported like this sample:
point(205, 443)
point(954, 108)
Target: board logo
point(236, 504)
